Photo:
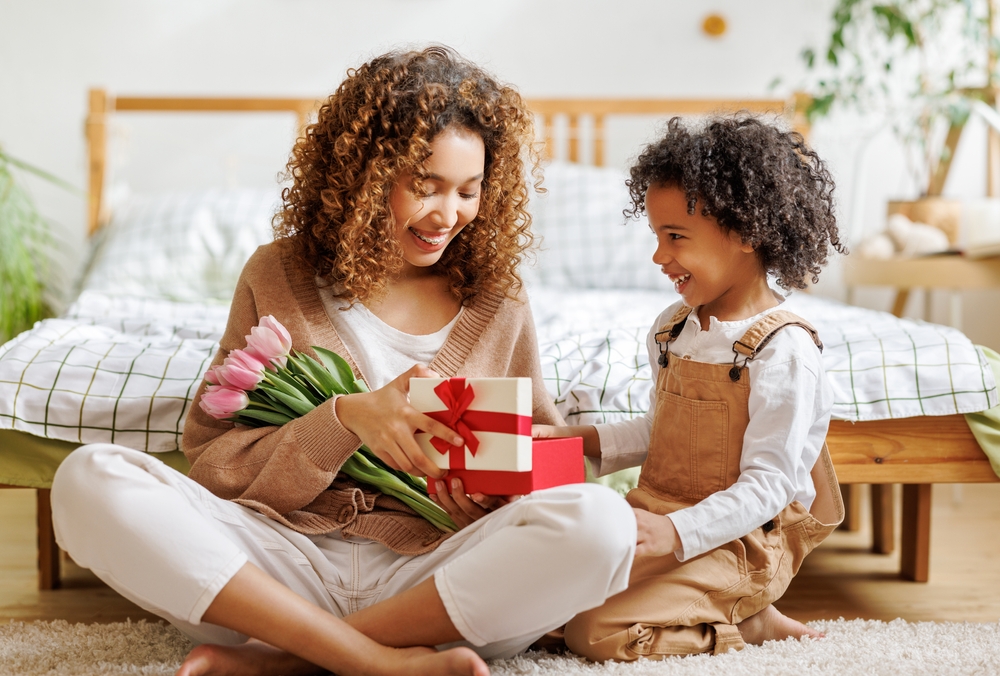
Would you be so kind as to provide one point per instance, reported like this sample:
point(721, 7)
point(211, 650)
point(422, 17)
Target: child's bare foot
point(770, 625)
point(259, 659)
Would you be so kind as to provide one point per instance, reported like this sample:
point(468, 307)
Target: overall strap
point(668, 333)
point(761, 333)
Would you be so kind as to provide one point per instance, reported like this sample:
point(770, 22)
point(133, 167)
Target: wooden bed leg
point(883, 528)
point(48, 550)
point(851, 493)
point(915, 545)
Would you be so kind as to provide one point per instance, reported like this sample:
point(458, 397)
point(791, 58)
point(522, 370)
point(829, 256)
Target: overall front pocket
point(688, 450)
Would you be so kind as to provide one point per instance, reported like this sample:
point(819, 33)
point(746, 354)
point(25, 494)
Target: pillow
point(186, 247)
point(586, 241)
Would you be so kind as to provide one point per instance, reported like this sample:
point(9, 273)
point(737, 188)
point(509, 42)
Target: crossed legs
point(222, 573)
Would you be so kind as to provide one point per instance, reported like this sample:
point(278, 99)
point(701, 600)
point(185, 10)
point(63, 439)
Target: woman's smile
point(430, 241)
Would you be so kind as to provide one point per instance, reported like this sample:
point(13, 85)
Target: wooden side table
point(948, 272)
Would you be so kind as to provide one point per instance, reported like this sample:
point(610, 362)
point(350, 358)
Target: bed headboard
point(102, 105)
point(574, 111)
point(599, 110)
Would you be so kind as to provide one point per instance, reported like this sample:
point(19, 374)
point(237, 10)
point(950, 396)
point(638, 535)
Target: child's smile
point(708, 265)
point(679, 281)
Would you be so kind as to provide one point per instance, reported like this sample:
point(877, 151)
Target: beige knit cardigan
point(290, 473)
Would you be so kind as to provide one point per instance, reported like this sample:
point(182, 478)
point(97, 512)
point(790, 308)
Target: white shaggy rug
point(895, 648)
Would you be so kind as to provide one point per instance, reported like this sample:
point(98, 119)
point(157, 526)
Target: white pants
point(169, 545)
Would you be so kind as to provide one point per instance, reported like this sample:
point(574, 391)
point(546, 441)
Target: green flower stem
point(359, 468)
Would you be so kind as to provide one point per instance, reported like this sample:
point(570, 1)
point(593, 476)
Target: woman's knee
point(83, 487)
point(600, 523)
point(80, 474)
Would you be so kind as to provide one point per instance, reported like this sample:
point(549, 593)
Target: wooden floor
point(840, 579)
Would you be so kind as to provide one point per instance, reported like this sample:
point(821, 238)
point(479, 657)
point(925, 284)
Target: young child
point(736, 485)
point(397, 246)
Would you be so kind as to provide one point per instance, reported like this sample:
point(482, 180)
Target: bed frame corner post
point(96, 132)
point(48, 550)
point(797, 108)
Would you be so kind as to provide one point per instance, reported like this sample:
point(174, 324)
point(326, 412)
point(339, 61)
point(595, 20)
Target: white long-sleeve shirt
point(790, 404)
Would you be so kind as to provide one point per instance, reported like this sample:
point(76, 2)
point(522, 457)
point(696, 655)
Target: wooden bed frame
point(915, 452)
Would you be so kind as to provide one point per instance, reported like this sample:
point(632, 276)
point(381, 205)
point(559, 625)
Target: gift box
point(555, 462)
point(493, 416)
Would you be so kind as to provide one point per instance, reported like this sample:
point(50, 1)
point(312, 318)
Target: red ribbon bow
point(457, 396)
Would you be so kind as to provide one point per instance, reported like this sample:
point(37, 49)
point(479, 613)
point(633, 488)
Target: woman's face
point(425, 225)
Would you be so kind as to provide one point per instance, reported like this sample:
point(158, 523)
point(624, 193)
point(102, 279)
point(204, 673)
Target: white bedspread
point(595, 362)
point(124, 370)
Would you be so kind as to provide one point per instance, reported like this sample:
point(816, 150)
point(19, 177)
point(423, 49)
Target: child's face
point(426, 225)
point(709, 266)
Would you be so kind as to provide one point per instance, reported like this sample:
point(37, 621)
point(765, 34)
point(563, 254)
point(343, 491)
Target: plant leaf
point(322, 376)
point(285, 381)
point(338, 368)
point(256, 417)
point(295, 403)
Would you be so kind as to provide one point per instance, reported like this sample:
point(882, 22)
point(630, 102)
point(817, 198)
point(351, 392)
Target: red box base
point(554, 462)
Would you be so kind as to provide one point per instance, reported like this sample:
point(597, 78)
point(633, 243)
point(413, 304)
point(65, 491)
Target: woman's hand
point(655, 534)
point(386, 423)
point(465, 509)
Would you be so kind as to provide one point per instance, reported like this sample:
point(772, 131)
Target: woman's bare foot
point(770, 625)
point(259, 659)
point(252, 658)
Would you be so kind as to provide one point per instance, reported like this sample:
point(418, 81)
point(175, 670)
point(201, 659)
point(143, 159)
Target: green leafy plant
point(25, 243)
point(918, 64)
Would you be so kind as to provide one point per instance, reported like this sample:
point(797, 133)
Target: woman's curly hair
point(380, 123)
point(754, 178)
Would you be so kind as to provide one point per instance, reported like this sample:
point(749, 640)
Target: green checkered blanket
point(124, 370)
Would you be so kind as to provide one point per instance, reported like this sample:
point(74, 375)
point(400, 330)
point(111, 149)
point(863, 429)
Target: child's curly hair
point(754, 178)
point(378, 124)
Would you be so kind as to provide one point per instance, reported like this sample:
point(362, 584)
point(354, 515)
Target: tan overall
point(674, 608)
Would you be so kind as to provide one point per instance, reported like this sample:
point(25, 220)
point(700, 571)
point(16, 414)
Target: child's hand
point(386, 423)
point(544, 431)
point(655, 534)
point(591, 439)
point(465, 509)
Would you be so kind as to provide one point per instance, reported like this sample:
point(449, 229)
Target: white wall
point(52, 51)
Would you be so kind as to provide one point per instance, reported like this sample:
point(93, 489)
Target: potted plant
point(25, 246)
point(919, 65)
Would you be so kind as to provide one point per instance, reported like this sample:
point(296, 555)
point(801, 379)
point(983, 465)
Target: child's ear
point(746, 248)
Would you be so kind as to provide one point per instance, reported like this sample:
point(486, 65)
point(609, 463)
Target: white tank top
point(380, 351)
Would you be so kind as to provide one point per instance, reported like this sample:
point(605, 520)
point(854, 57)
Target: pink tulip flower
point(222, 402)
point(269, 341)
point(215, 378)
point(240, 370)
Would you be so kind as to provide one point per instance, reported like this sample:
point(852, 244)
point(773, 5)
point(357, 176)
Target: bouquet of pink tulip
point(270, 384)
